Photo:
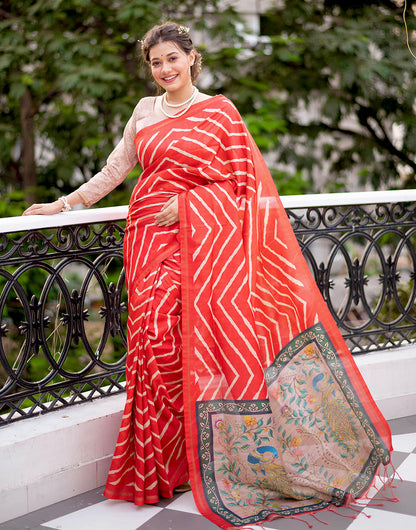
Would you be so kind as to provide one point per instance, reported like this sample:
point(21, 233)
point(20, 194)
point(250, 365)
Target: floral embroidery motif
point(308, 445)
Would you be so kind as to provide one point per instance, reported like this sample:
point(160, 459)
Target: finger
point(163, 215)
point(32, 209)
point(171, 221)
point(167, 204)
point(173, 201)
point(166, 221)
point(166, 214)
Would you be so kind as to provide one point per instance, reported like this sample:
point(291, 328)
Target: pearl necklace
point(176, 105)
point(188, 104)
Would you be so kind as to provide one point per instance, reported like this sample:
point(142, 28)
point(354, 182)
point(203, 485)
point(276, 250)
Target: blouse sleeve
point(119, 164)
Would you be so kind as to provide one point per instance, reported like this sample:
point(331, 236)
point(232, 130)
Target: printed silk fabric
point(277, 418)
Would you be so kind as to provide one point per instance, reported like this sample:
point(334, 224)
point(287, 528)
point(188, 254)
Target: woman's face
point(170, 66)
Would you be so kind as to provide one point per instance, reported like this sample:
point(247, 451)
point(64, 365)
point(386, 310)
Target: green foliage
point(289, 183)
point(12, 203)
point(79, 63)
point(330, 85)
point(345, 83)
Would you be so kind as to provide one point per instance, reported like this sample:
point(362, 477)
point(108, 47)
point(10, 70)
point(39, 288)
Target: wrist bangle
point(66, 206)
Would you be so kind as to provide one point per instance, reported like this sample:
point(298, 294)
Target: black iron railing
point(63, 301)
point(63, 317)
point(363, 258)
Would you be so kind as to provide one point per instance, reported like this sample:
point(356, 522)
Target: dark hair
point(174, 32)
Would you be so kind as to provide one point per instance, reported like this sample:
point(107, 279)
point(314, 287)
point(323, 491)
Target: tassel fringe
point(384, 492)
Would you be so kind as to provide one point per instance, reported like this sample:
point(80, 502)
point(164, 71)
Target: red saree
point(276, 416)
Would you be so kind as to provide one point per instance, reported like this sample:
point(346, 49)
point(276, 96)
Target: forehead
point(164, 48)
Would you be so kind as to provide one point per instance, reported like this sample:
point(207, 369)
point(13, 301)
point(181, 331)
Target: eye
point(155, 63)
point(172, 58)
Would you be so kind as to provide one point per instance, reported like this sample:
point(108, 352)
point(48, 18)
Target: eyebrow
point(170, 53)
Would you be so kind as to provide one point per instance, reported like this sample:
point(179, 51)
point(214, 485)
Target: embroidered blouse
point(123, 158)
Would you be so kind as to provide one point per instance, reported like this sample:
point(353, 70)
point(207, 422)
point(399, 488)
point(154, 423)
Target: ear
point(192, 57)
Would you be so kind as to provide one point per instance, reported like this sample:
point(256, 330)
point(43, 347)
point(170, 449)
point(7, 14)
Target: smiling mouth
point(170, 78)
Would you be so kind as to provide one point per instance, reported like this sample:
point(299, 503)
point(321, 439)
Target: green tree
point(330, 83)
point(70, 77)
point(336, 79)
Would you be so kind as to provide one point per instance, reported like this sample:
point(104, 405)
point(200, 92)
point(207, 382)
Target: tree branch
point(385, 143)
point(5, 14)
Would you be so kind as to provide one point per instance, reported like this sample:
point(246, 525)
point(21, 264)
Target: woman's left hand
point(169, 214)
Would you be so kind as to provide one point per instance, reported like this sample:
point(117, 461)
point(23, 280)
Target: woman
point(237, 376)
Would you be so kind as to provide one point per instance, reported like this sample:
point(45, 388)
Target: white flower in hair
point(183, 29)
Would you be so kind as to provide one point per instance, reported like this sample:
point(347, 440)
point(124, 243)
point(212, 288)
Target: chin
point(173, 86)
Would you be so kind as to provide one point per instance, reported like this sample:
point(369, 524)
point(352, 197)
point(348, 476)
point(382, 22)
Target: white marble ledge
point(116, 213)
point(74, 217)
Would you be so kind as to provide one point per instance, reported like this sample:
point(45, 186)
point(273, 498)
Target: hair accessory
point(66, 206)
point(183, 30)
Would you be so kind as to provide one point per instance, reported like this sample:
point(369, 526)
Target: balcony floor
point(92, 511)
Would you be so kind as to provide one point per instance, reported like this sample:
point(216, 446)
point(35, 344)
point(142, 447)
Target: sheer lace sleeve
point(120, 162)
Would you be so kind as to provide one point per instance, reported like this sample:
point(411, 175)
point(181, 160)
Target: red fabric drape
point(274, 405)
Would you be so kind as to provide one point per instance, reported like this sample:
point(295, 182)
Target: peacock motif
point(264, 461)
point(336, 412)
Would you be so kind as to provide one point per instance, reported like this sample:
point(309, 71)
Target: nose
point(165, 67)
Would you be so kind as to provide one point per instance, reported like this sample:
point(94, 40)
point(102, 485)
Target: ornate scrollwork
point(56, 346)
point(115, 309)
point(18, 248)
point(35, 325)
point(356, 281)
point(368, 276)
point(322, 279)
point(63, 298)
point(77, 314)
point(389, 278)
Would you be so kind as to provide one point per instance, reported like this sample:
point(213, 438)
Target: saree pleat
point(231, 345)
point(150, 455)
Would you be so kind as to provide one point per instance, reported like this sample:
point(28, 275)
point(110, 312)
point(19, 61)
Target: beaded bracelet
point(66, 207)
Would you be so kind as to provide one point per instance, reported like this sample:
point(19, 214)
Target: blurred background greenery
point(326, 87)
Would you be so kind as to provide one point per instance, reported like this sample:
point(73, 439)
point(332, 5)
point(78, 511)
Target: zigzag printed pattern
point(246, 288)
point(207, 161)
point(234, 267)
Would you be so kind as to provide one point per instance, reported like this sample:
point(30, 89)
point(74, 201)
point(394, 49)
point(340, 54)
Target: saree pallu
point(277, 418)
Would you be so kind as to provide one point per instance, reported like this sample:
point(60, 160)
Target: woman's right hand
point(169, 214)
point(50, 208)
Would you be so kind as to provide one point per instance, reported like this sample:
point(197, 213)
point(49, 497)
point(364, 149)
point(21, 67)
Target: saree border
point(205, 410)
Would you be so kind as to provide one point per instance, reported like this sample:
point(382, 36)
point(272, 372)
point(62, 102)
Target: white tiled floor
point(107, 515)
point(381, 520)
point(404, 443)
point(184, 503)
point(92, 511)
point(407, 470)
